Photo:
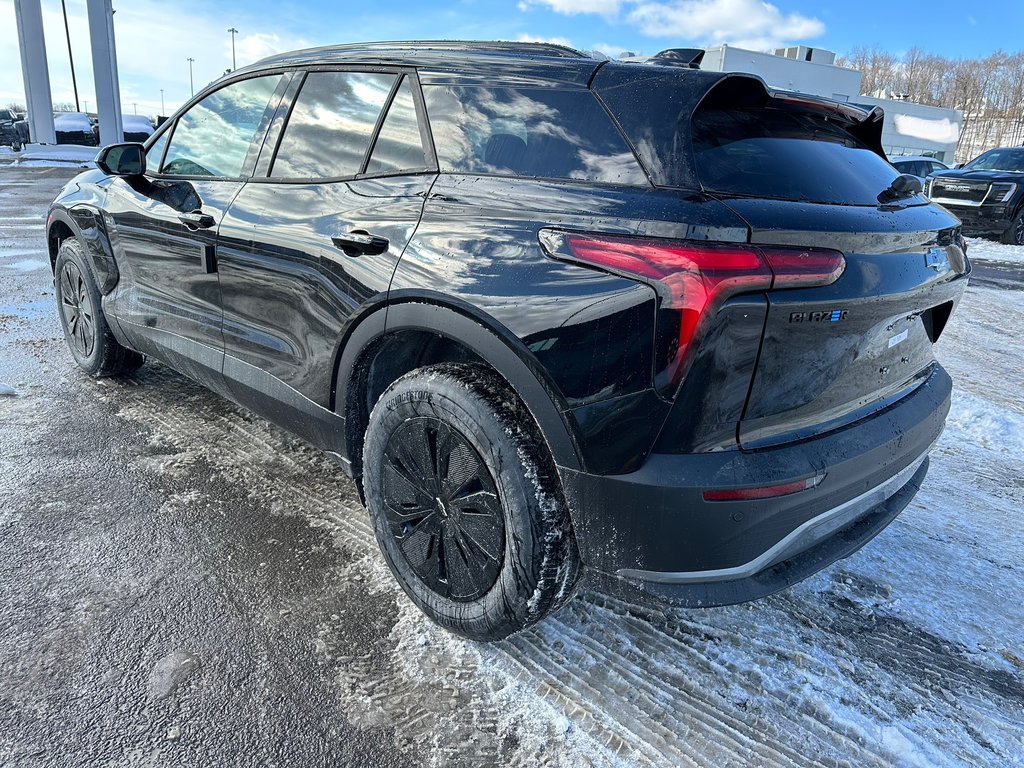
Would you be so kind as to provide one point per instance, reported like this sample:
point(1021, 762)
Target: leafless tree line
point(989, 91)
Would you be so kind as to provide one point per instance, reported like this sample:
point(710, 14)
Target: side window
point(399, 145)
point(533, 132)
point(330, 126)
point(155, 151)
point(214, 136)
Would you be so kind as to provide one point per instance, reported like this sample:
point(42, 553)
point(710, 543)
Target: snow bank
point(979, 249)
point(56, 154)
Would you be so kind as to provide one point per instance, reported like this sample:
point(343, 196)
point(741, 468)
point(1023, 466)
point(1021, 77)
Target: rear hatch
point(835, 353)
point(800, 174)
point(811, 174)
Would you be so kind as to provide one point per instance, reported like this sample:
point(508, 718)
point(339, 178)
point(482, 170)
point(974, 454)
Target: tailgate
point(832, 354)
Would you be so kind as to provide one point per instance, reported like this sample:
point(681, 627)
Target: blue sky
point(156, 37)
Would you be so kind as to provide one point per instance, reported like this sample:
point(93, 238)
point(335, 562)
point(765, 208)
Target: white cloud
point(525, 38)
point(744, 23)
point(154, 41)
point(611, 50)
point(573, 7)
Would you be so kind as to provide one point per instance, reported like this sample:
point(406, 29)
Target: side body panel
point(591, 333)
point(289, 291)
point(168, 302)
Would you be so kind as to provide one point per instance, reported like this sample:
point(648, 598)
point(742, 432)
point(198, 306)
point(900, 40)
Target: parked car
point(75, 128)
point(137, 128)
point(986, 193)
point(918, 165)
point(685, 349)
point(10, 130)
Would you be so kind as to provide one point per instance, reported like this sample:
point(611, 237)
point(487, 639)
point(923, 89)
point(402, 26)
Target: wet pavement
point(182, 583)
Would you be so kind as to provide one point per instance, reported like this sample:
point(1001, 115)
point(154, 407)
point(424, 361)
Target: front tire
point(466, 503)
point(1015, 234)
point(79, 308)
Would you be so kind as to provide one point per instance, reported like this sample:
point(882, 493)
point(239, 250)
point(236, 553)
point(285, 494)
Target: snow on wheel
point(466, 503)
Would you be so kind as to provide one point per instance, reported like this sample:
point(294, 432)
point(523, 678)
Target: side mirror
point(958, 166)
point(122, 160)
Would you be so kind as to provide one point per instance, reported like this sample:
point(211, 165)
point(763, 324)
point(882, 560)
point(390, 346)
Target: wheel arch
point(59, 227)
point(416, 329)
point(85, 224)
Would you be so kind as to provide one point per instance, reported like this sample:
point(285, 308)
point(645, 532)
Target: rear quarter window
point(529, 132)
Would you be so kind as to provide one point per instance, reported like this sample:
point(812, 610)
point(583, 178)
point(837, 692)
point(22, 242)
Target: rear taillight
point(694, 278)
point(762, 492)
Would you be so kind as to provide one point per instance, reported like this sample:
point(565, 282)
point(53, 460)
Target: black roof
point(470, 59)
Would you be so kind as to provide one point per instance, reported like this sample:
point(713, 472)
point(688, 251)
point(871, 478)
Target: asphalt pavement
point(183, 584)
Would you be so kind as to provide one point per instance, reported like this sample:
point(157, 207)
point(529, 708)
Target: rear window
point(530, 132)
point(786, 155)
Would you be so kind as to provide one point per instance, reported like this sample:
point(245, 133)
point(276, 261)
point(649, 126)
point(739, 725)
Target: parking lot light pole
point(163, 110)
point(191, 85)
point(71, 57)
point(233, 32)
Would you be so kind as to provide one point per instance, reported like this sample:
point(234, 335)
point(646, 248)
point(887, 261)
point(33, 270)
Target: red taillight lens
point(696, 277)
point(803, 267)
point(764, 492)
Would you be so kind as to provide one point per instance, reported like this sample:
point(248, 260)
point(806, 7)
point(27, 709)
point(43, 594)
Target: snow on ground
point(44, 155)
point(909, 653)
point(980, 249)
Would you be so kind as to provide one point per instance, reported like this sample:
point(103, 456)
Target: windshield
point(999, 160)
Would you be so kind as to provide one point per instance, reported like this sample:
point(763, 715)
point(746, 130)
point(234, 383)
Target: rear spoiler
point(690, 58)
point(864, 124)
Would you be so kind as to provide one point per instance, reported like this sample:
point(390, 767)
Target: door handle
point(196, 220)
point(359, 243)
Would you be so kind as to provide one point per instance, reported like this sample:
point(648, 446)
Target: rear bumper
point(982, 220)
point(652, 530)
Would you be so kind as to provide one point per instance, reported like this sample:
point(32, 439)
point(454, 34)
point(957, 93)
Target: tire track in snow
point(817, 677)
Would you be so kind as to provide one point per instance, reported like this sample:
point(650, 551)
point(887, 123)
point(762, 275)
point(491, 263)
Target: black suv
point(555, 315)
point(13, 129)
point(986, 193)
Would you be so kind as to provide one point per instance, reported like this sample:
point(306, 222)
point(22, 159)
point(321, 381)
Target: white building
point(806, 70)
point(910, 129)
point(917, 129)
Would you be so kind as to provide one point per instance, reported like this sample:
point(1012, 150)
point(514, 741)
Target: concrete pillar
point(29, 18)
point(104, 68)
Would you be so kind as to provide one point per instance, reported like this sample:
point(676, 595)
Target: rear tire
point(1015, 234)
point(80, 310)
point(466, 503)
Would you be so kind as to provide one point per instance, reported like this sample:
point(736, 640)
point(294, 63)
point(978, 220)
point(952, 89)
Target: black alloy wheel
point(466, 502)
point(76, 309)
point(80, 311)
point(443, 509)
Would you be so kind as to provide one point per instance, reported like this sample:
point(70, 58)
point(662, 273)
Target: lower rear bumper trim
point(801, 538)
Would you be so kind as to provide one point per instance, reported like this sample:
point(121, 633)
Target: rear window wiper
point(902, 186)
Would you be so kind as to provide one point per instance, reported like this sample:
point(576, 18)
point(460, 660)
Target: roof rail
point(690, 58)
point(467, 46)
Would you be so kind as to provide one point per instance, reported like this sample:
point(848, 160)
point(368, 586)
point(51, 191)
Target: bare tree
point(989, 91)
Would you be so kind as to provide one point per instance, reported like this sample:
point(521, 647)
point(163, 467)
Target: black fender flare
point(495, 345)
point(87, 227)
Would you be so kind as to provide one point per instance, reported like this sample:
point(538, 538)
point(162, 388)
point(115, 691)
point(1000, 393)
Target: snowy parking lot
point(183, 584)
